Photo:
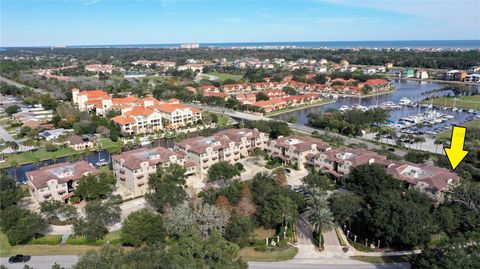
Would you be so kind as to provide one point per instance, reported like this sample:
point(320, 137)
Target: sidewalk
point(353, 252)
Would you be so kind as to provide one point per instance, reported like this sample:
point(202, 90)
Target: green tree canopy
point(223, 171)
point(142, 226)
point(98, 216)
point(240, 230)
point(10, 193)
point(95, 187)
point(168, 186)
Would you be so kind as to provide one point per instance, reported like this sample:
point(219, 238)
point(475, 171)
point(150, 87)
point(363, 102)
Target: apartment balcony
point(122, 171)
point(140, 177)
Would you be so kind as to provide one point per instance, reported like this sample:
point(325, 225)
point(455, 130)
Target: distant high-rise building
point(190, 46)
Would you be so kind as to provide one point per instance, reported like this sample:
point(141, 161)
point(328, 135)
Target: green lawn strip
point(468, 102)
point(224, 76)
point(42, 154)
point(250, 254)
point(448, 133)
point(383, 259)
point(50, 245)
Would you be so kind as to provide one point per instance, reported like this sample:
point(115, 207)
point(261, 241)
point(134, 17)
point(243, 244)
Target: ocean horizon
point(394, 44)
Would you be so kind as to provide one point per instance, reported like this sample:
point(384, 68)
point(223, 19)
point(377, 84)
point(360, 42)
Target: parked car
point(19, 258)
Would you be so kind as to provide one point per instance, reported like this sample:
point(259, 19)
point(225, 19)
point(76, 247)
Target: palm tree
point(13, 145)
point(438, 141)
point(36, 162)
point(317, 212)
point(117, 149)
point(15, 165)
point(72, 158)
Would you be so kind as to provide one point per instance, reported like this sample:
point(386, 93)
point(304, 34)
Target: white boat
point(405, 101)
point(344, 108)
point(359, 107)
point(101, 162)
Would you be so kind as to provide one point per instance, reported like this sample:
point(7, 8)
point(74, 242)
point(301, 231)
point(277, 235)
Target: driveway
point(5, 135)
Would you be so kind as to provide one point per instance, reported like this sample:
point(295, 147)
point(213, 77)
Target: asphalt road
point(11, 82)
point(67, 261)
point(43, 262)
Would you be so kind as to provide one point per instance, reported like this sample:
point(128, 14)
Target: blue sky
point(97, 22)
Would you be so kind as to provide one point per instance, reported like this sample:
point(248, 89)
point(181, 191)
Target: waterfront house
point(81, 142)
point(58, 181)
point(421, 74)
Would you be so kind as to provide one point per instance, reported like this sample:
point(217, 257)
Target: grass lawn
point(437, 239)
point(448, 133)
point(469, 102)
point(115, 235)
point(224, 76)
point(39, 250)
point(42, 154)
point(250, 254)
point(262, 233)
point(222, 121)
point(383, 259)
point(108, 143)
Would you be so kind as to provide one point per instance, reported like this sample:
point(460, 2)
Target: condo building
point(138, 116)
point(228, 145)
point(295, 149)
point(132, 168)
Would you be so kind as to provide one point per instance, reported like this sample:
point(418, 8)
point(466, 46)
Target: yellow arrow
point(456, 153)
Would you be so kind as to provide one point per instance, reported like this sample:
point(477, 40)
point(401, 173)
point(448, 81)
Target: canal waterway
point(92, 158)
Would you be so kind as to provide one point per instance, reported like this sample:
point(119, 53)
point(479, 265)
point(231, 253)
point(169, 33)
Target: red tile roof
point(61, 172)
point(139, 111)
point(123, 120)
